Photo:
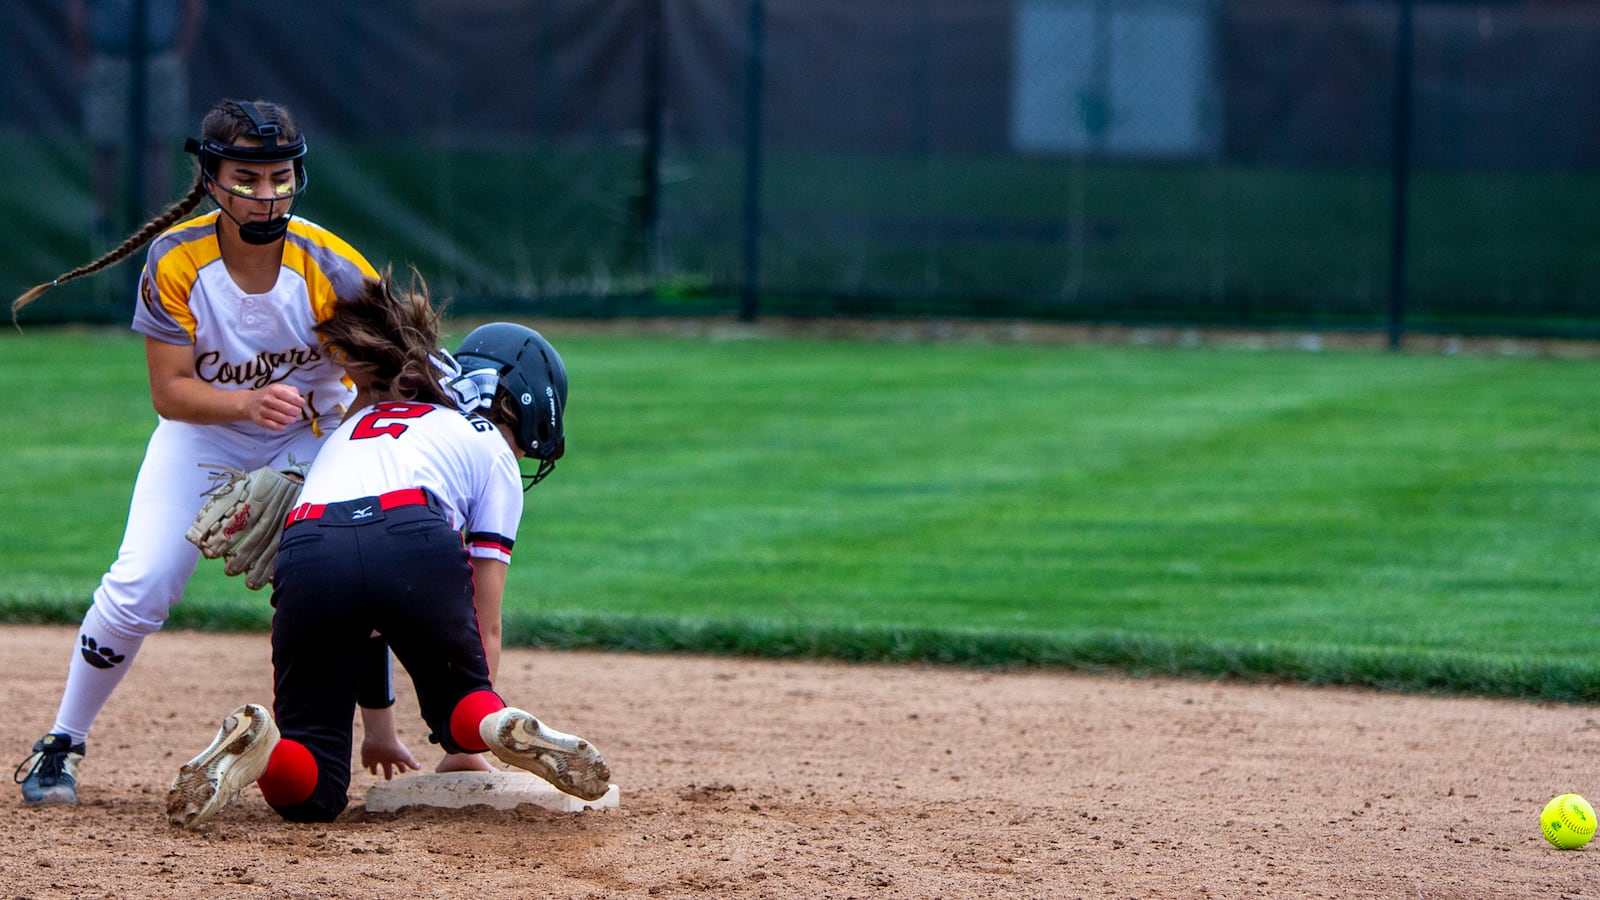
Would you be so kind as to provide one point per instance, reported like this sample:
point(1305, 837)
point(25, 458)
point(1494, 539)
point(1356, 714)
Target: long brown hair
point(226, 123)
point(389, 336)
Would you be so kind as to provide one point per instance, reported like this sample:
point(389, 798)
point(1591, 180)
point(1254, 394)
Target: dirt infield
point(773, 779)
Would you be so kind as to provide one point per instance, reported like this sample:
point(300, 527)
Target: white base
point(500, 790)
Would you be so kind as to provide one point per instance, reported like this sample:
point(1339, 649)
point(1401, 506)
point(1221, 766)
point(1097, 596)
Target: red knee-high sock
point(469, 711)
point(291, 774)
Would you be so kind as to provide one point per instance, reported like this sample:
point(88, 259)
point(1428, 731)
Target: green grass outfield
point(1406, 521)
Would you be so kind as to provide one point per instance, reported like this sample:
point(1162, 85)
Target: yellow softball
point(1567, 821)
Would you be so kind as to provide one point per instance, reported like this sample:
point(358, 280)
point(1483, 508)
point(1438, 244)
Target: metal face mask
point(272, 150)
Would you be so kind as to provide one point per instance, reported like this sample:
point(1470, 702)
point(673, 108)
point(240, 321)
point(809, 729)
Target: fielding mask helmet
point(275, 147)
point(530, 371)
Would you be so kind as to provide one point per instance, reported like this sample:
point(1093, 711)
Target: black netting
point(1123, 160)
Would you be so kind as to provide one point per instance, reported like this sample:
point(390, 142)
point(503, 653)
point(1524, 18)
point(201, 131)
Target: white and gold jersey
point(243, 341)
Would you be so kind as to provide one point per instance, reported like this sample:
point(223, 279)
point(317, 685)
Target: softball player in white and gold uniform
point(227, 304)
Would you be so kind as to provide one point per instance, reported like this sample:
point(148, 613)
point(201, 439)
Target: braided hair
point(226, 123)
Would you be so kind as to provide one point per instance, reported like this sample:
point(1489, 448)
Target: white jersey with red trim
point(462, 458)
point(244, 341)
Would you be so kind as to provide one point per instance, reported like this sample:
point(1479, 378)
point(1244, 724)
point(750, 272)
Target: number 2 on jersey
point(386, 419)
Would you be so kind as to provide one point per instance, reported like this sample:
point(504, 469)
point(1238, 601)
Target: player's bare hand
point(389, 755)
point(276, 406)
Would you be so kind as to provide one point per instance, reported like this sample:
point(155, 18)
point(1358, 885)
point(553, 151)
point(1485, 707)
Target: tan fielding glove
point(242, 521)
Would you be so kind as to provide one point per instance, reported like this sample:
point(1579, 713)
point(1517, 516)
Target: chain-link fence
point(1321, 163)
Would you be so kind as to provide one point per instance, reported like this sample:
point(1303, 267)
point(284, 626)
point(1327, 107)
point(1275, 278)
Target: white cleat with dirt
point(235, 759)
point(566, 761)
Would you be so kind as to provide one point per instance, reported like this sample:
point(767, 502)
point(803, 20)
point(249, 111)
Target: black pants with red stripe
point(402, 572)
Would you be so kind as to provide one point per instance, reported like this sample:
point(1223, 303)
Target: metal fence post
point(649, 200)
point(755, 63)
point(1400, 173)
point(133, 162)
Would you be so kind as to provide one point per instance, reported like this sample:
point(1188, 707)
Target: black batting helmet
point(531, 372)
